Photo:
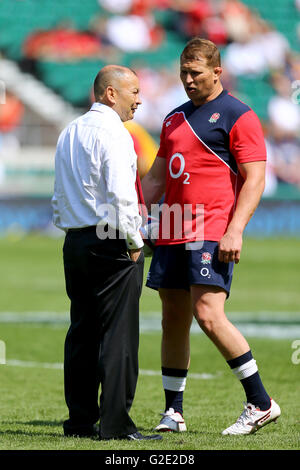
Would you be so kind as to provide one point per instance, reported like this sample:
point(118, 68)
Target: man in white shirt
point(96, 203)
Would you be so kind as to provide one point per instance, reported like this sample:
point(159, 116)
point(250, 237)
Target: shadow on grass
point(38, 422)
point(54, 423)
point(34, 423)
point(20, 432)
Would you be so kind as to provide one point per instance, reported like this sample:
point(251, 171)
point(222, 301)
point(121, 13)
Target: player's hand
point(230, 247)
point(134, 254)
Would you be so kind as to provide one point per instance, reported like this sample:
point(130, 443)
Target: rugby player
point(212, 156)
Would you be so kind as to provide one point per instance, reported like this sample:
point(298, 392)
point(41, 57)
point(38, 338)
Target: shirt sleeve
point(119, 161)
point(56, 216)
point(246, 139)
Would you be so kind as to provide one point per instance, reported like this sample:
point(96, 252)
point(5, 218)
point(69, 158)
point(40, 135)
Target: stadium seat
point(256, 92)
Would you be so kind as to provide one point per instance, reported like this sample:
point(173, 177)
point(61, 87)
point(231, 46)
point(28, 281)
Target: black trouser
point(101, 345)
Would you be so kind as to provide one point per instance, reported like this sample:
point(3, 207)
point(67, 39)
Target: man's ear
point(217, 72)
point(111, 94)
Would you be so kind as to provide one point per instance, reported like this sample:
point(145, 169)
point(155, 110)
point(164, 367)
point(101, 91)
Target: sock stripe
point(239, 361)
point(167, 371)
point(176, 384)
point(245, 370)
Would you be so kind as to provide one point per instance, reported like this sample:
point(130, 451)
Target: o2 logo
point(180, 171)
point(205, 273)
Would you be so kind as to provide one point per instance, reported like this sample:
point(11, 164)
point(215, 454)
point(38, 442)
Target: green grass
point(266, 279)
point(32, 405)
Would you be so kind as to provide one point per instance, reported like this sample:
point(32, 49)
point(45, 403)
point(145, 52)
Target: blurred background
point(50, 53)
point(51, 50)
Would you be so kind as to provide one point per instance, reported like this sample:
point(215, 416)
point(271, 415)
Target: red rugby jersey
point(202, 146)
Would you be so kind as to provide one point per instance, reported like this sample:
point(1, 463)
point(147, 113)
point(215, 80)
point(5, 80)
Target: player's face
point(199, 80)
point(127, 97)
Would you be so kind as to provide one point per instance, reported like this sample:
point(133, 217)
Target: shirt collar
point(103, 108)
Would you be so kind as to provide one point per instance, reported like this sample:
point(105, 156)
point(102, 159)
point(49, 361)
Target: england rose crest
point(206, 258)
point(214, 117)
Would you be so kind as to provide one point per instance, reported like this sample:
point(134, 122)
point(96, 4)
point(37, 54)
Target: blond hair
point(202, 47)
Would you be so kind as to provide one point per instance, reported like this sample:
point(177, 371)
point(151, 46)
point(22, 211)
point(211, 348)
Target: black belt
point(83, 229)
point(92, 228)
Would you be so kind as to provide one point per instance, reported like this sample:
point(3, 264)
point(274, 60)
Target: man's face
point(199, 80)
point(127, 96)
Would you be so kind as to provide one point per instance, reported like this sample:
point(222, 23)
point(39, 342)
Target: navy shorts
point(176, 267)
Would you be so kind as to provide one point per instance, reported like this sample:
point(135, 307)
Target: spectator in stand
point(275, 46)
point(135, 7)
point(11, 115)
point(160, 88)
point(236, 18)
point(132, 33)
point(192, 15)
point(293, 67)
point(63, 43)
point(284, 155)
point(199, 18)
point(257, 50)
point(116, 6)
point(131, 26)
point(284, 114)
point(283, 143)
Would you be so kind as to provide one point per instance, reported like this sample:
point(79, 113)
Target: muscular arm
point(230, 244)
point(153, 184)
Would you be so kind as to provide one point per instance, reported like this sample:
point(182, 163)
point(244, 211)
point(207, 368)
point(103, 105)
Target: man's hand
point(230, 247)
point(134, 254)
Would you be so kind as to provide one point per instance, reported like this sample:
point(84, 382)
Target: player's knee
point(208, 319)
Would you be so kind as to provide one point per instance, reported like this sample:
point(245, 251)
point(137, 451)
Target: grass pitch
point(32, 405)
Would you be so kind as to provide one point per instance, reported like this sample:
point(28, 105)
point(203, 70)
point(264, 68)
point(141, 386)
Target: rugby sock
point(174, 381)
point(245, 369)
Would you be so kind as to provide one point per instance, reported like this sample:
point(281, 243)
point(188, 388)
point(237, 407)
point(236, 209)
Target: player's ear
point(217, 72)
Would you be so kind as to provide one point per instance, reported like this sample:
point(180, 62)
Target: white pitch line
point(60, 366)
point(51, 316)
point(276, 325)
point(33, 364)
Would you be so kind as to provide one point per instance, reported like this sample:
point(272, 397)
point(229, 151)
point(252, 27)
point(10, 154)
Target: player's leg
point(177, 317)
point(169, 274)
point(208, 307)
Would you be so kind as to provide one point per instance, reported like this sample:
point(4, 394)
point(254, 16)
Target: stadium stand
point(282, 14)
point(52, 49)
point(22, 18)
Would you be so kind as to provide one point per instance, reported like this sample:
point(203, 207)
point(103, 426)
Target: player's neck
point(215, 93)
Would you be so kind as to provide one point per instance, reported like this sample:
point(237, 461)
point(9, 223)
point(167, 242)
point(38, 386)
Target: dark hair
point(202, 47)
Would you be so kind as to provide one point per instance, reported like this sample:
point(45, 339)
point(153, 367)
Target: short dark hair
point(203, 47)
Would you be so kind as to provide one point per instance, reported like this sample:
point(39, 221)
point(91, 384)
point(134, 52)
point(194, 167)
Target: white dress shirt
point(95, 169)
